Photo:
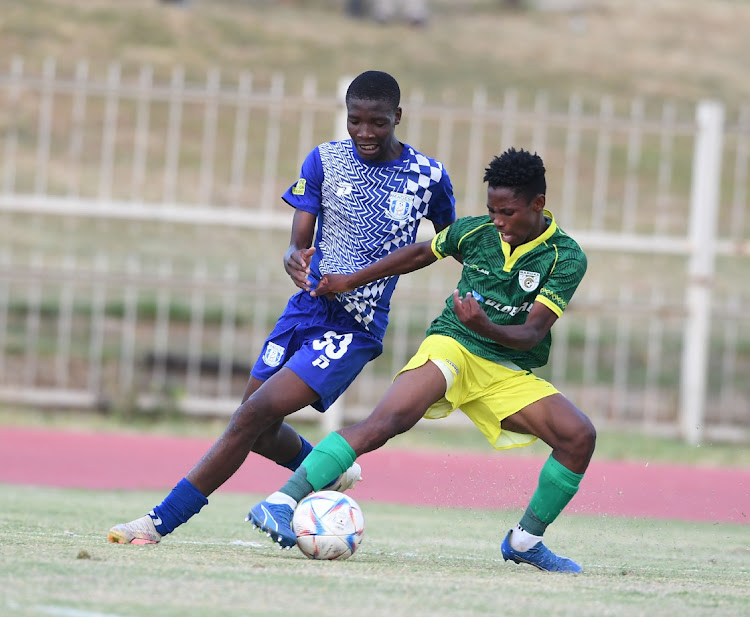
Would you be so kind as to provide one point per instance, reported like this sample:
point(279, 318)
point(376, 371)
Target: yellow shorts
point(487, 392)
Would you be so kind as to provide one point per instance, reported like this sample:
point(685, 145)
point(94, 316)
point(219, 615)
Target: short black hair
point(375, 86)
point(519, 170)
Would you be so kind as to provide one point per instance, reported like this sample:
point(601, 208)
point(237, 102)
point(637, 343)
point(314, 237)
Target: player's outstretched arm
point(300, 251)
point(403, 260)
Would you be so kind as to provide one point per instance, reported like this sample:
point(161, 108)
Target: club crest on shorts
point(273, 355)
point(399, 205)
point(528, 281)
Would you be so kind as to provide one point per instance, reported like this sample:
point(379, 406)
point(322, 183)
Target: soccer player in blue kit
point(367, 196)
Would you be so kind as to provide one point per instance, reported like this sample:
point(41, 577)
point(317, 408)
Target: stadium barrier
point(108, 300)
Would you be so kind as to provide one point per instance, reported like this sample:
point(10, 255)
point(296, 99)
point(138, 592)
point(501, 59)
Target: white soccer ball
point(329, 525)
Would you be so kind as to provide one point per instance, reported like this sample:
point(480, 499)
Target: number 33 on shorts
point(333, 346)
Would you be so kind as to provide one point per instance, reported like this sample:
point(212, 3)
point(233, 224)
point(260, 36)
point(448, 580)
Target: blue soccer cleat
point(540, 557)
point(275, 519)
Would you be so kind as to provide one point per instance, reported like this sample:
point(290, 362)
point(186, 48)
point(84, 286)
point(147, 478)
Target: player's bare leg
point(562, 426)
point(281, 395)
point(261, 414)
point(280, 442)
point(572, 437)
point(404, 404)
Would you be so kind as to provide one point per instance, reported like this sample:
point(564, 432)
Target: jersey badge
point(273, 354)
point(528, 281)
point(299, 188)
point(399, 205)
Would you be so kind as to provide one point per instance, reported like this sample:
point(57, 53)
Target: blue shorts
point(324, 346)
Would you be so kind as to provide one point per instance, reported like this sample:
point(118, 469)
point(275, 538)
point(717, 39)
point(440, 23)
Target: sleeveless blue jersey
point(365, 211)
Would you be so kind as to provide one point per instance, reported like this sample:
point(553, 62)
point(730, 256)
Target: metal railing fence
point(141, 233)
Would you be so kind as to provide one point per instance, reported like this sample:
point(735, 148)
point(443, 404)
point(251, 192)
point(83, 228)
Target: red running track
point(492, 481)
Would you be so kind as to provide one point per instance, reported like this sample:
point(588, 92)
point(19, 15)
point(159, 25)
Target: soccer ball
point(329, 525)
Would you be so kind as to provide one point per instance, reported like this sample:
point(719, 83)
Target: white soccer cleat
point(346, 480)
point(139, 531)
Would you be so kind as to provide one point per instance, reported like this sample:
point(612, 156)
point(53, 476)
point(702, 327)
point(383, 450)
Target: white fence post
point(333, 418)
point(340, 131)
point(119, 149)
point(704, 210)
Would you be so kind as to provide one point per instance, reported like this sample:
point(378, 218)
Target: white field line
point(59, 611)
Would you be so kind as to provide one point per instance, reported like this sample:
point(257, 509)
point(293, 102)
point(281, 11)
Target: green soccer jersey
point(548, 269)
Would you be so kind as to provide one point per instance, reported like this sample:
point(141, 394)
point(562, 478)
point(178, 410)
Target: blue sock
point(297, 460)
point(184, 501)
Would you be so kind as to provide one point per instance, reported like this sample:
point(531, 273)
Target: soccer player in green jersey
point(520, 270)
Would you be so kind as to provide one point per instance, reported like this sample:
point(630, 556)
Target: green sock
point(297, 487)
point(557, 486)
point(328, 460)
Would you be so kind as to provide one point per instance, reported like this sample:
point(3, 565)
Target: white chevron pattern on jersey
point(370, 210)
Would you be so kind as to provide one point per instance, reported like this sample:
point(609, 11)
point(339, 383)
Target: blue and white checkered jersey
point(366, 210)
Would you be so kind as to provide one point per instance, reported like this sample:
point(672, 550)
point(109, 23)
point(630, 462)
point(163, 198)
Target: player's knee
point(267, 440)
point(577, 441)
point(584, 440)
point(402, 421)
point(380, 429)
point(248, 420)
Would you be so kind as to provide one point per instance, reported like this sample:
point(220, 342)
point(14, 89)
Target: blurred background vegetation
point(680, 49)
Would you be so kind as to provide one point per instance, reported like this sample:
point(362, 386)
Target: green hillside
point(682, 49)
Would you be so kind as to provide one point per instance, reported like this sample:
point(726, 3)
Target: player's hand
point(332, 284)
point(469, 313)
point(297, 266)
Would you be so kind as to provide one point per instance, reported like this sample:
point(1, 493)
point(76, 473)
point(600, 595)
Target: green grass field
point(55, 560)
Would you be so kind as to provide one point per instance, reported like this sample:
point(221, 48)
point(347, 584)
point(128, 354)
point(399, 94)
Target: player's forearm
point(525, 336)
point(520, 337)
point(401, 261)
